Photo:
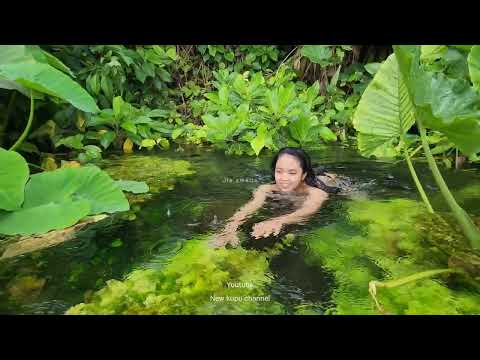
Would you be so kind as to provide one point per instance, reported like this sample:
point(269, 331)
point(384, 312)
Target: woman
point(294, 176)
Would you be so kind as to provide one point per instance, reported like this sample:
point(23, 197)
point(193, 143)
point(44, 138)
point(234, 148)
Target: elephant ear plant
point(383, 117)
point(34, 72)
point(404, 92)
point(52, 200)
point(450, 106)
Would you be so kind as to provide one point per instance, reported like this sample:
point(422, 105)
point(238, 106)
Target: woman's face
point(288, 173)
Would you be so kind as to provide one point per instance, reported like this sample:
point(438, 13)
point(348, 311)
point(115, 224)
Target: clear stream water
point(53, 279)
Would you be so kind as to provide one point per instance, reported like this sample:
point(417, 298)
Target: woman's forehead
point(288, 161)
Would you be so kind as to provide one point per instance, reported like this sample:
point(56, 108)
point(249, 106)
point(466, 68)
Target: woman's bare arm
point(314, 202)
point(273, 226)
point(228, 235)
point(249, 208)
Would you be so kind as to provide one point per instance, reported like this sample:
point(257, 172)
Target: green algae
point(382, 241)
point(197, 280)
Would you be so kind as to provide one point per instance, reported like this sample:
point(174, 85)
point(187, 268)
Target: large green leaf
point(430, 53)
point(58, 199)
point(417, 80)
point(43, 218)
point(385, 112)
point(13, 177)
point(378, 146)
point(87, 182)
point(135, 187)
point(56, 63)
point(222, 127)
point(301, 128)
point(447, 105)
point(46, 79)
point(318, 54)
point(474, 66)
point(12, 54)
point(259, 142)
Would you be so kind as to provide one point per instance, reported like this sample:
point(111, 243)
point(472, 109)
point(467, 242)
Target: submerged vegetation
point(195, 281)
point(89, 131)
point(380, 245)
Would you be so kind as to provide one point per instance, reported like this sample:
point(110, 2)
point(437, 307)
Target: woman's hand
point(227, 236)
point(267, 228)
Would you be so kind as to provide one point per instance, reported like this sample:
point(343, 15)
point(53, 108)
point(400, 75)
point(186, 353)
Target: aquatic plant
point(450, 106)
point(405, 92)
point(53, 200)
point(196, 280)
point(34, 72)
point(160, 173)
point(377, 244)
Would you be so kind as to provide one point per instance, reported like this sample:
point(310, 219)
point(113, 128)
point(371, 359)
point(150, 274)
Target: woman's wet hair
point(306, 165)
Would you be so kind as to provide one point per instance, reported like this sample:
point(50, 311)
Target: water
point(324, 267)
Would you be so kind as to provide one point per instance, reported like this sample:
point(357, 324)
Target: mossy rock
point(160, 173)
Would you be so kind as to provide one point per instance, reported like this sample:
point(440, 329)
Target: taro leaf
point(56, 63)
point(447, 105)
point(135, 187)
point(73, 142)
point(83, 183)
point(13, 177)
point(474, 66)
point(455, 110)
point(372, 68)
point(456, 65)
point(45, 217)
point(12, 54)
point(463, 47)
point(384, 113)
point(46, 79)
point(430, 53)
point(379, 146)
point(318, 54)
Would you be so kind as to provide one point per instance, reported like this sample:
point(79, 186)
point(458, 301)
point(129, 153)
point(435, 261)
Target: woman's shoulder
point(316, 192)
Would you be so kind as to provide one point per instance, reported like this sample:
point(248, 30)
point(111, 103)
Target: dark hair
point(306, 165)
